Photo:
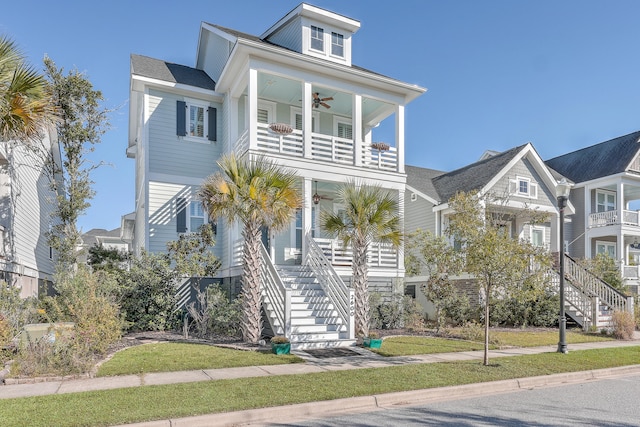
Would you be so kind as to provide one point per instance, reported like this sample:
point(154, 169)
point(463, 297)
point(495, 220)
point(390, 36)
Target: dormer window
point(317, 38)
point(337, 44)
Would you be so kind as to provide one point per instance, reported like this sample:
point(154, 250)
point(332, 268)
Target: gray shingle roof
point(422, 180)
point(474, 176)
point(170, 72)
point(597, 161)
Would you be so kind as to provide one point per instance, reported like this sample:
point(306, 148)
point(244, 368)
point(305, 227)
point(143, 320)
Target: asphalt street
point(603, 403)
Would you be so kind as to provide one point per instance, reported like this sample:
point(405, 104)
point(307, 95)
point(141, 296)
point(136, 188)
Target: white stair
point(315, 323)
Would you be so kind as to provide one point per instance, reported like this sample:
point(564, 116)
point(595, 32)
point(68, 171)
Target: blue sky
point(560, 74)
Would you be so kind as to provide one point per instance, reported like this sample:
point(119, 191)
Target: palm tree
point(258, 194)
point(25, 103)
point(370, 215)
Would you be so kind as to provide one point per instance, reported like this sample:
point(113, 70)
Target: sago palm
point(258, 194)
point(370, 215)
point(25, 103)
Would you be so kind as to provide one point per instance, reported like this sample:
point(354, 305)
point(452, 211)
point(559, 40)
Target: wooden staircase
point(589, 301)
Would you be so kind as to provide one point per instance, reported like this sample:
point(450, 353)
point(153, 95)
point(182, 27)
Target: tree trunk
point(361, 288)
point(486, 330)
point(251, 268)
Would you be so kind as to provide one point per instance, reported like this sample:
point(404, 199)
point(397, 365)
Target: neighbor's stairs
point(315, 323)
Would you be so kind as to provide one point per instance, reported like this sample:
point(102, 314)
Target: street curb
point(326, 408)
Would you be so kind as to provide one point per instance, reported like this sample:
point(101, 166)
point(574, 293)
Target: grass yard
point(168, 357)
point(410, 345)
point(138, 404)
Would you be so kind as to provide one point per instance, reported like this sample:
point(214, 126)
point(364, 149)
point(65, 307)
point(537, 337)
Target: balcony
point(325, 148)
point(603, 219)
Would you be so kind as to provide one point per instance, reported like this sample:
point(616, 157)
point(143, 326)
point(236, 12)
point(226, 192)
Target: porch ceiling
point(287, 91)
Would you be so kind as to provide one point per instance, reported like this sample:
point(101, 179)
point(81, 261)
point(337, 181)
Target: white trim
point(344, 121)
point(606, 193)
point(270, 106)
point(297, 110)
point(198, 103)
point(421, 194)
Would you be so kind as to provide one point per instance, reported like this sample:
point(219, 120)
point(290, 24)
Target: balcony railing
point(326, 148)
point(602, 219)
point(379, 254)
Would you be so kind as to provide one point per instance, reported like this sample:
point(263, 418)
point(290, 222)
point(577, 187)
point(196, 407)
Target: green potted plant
point(373, 340)
point(280, 345)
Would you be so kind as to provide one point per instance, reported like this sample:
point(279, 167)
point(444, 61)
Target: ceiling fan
point(317, 197)
point(317, 101)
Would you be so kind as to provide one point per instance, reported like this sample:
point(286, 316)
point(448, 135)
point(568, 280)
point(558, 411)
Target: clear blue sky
point(560, 74)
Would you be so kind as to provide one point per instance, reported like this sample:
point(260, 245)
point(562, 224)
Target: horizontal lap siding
point(163, 212)
point(418, 214)
point(290, 36)
point(525, 169)
point(170, 154)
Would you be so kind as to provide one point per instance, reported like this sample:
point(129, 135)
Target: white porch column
point(232, 123)
point(400, 265)
point(400, 137)
point(620, 206)
point(307, 193)
point(307, 120)
point(587, 213)
point(356, 129)
point(556, 239)
point(252, 106)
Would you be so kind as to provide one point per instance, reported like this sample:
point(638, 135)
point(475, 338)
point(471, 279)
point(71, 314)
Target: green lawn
point(166, 357)
point(138, 404)
point(410, 345)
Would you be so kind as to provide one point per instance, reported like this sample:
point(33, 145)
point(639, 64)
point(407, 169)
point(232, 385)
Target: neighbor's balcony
point(324, 148)
point(603, 219)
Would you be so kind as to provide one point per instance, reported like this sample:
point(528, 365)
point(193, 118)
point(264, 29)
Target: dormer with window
point(316, 32)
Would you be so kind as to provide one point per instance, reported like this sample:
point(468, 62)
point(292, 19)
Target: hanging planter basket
point(380, 146)
point(280, 128)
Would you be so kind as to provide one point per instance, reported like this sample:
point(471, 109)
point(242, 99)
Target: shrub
point(148, 294)
point(213, 314)
point(623, 325)
point(401, 311)
point(279, 339)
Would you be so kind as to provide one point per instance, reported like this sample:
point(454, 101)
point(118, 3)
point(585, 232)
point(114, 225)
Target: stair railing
point(276, 297)
point(578, 302)
point(339, 294)
point(593, 285)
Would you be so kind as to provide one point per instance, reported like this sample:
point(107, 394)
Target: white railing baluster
point(276, 298)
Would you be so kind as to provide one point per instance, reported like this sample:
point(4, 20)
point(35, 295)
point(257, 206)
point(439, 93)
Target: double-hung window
point(317, 38)
point(197, 218)
point(196, 123)
point(605, 201)
point(337, 44)
point(190, 215)
point(537, 236)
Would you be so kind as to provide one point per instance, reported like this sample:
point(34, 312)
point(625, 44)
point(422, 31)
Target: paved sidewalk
point(364, 359)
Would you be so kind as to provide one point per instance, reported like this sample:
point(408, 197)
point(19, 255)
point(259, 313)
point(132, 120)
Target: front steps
point(315, 323)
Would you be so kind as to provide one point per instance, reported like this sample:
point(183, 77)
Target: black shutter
point(181, 119)
point(181, 217)
point(213, 124)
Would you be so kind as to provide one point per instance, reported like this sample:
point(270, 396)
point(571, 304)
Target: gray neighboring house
point(518, 175)
point(606, 197)
point(109, 239)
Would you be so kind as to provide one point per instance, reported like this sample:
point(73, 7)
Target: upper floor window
point(196, 120)
point(343, 128)
point(317, 38)
point(523, 187)
point(337, 44)
point(190, 215)
point(605, 201)
point(197, 218)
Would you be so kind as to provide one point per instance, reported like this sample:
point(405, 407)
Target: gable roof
point(474, 176)
point(421, 179)
point(597, 161)
point(170, 72)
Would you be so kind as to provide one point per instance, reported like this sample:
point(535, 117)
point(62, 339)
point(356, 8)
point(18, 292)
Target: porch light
point(562, 192)
point(316, 196)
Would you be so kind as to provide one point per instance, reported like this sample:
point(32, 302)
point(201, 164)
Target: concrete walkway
point(363, 359)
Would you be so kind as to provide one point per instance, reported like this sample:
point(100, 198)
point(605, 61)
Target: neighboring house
point(605, 196)
point(26, 205)
point(108, 239)
point(298, 74)
point(518, 178)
